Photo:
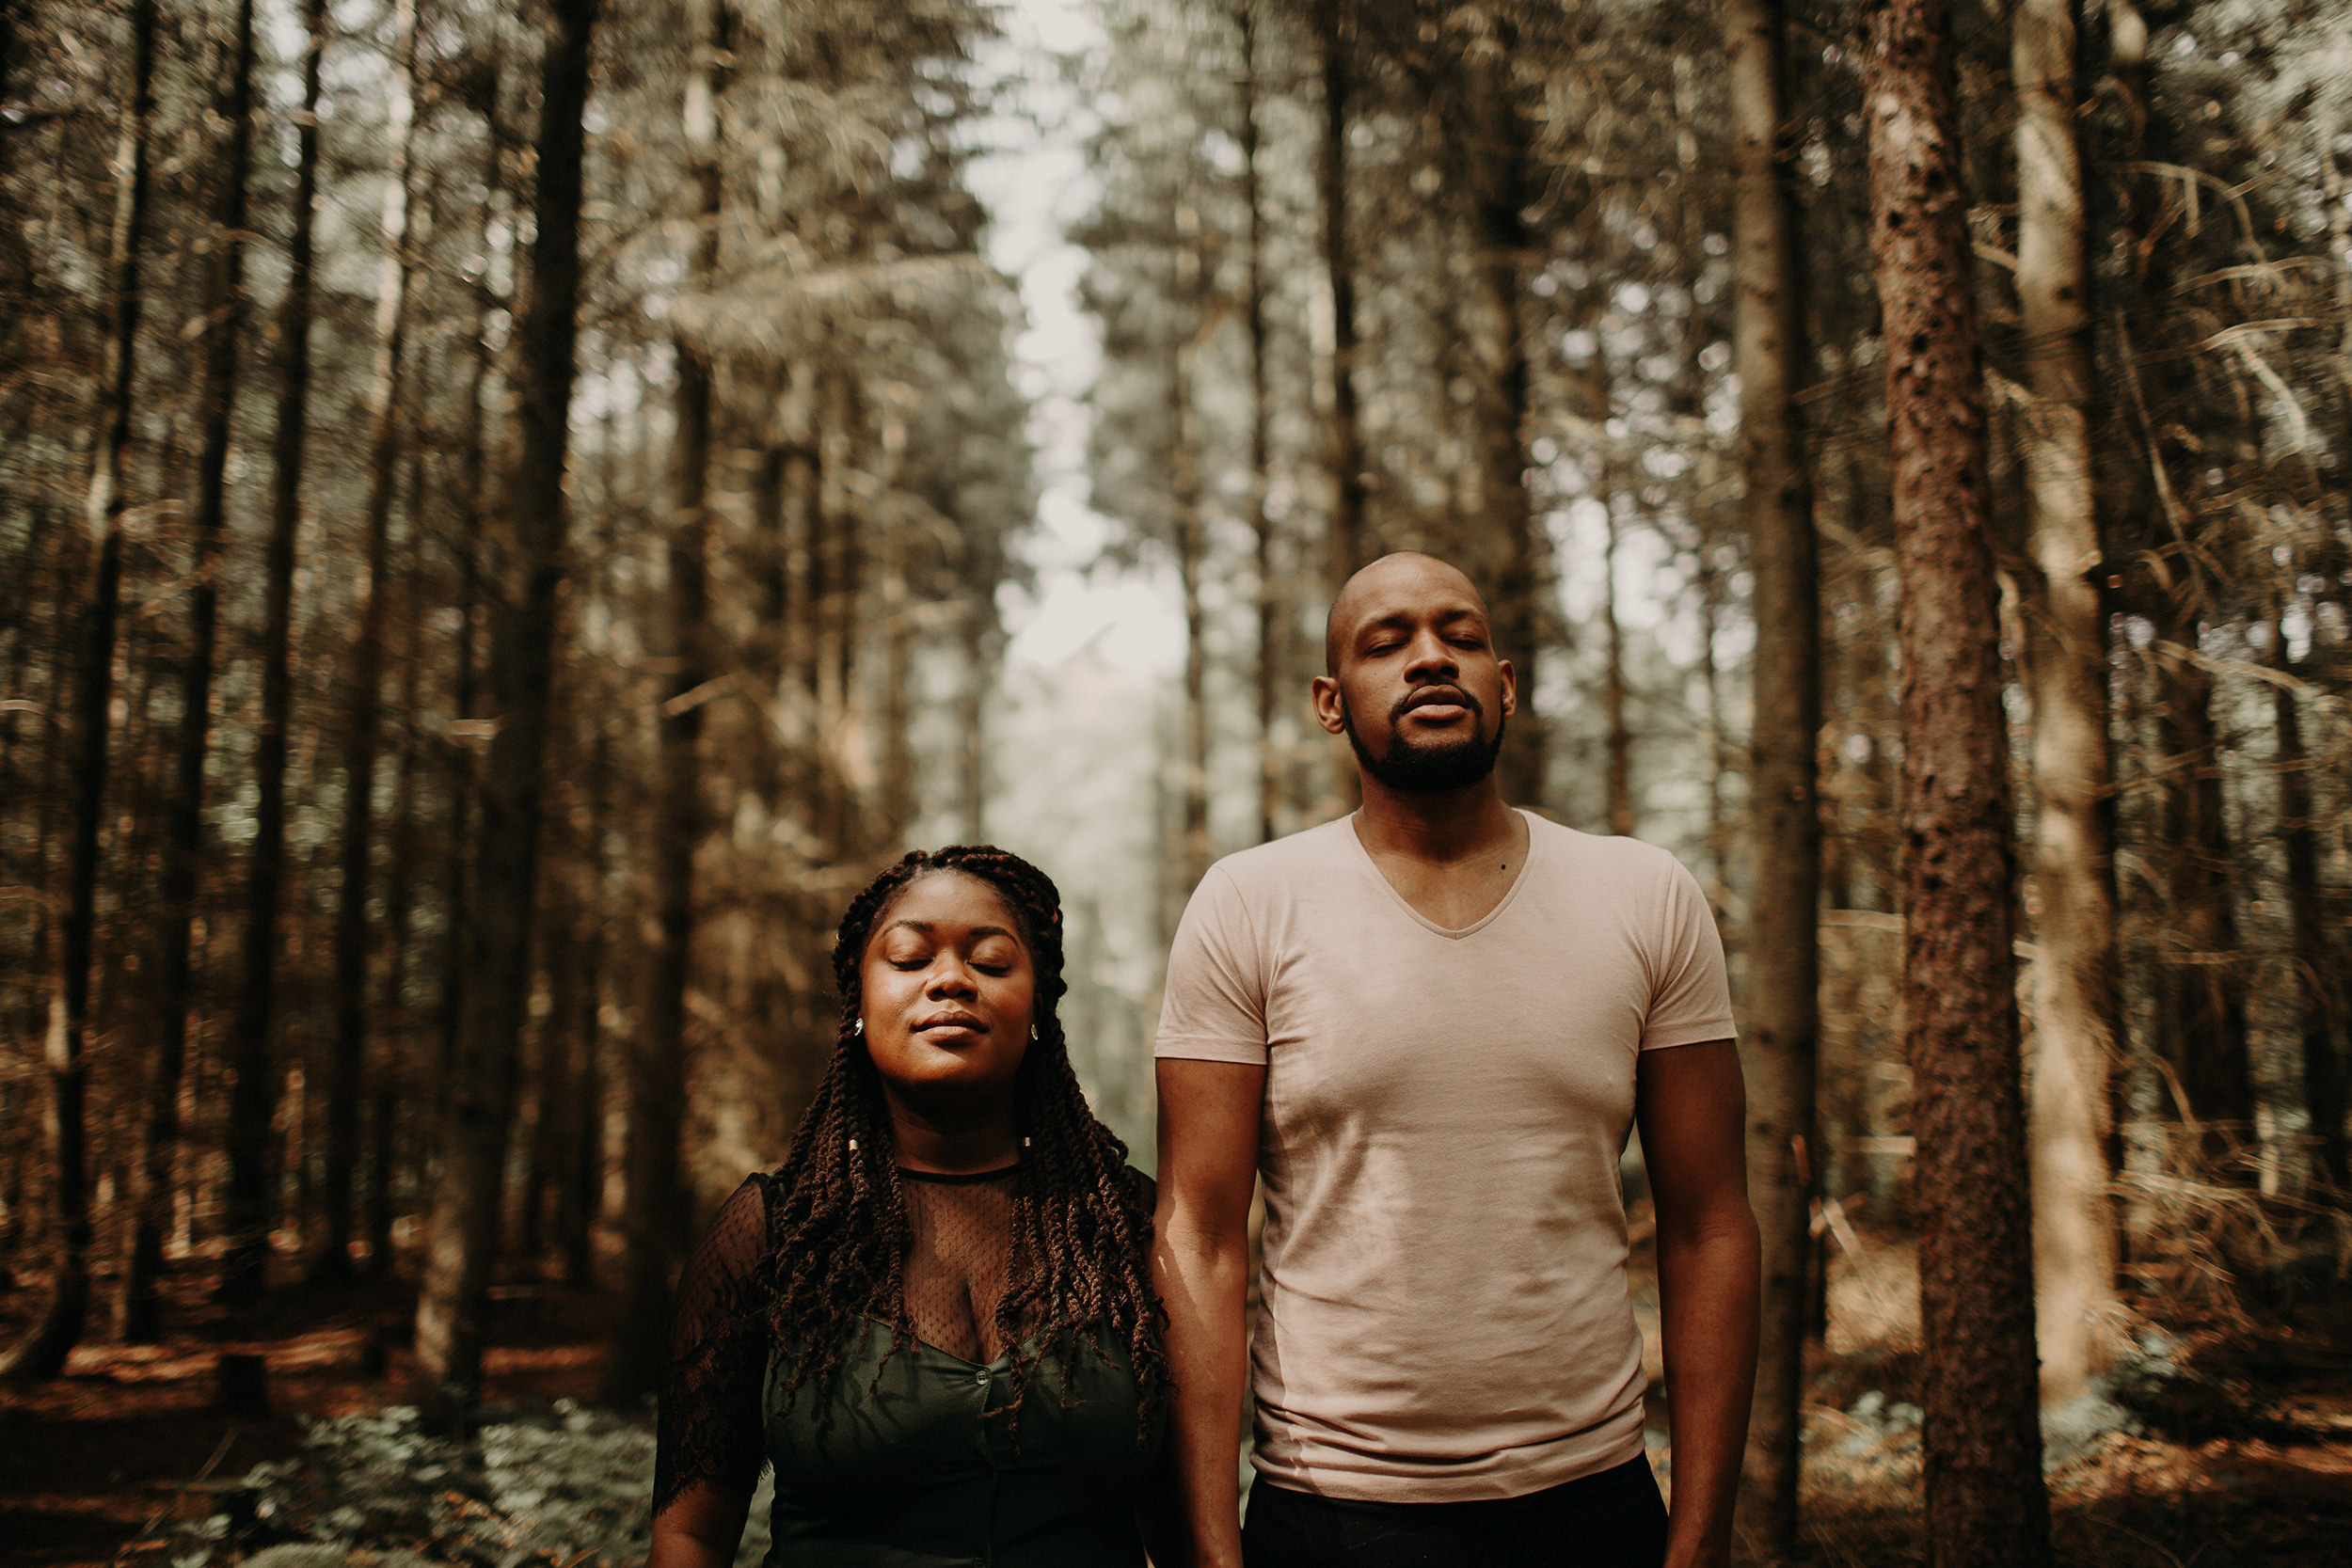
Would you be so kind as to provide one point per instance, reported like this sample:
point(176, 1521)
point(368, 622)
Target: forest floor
point(2236, 1448)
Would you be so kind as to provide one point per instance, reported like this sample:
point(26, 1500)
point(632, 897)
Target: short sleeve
point(1690, 994)
point(1213, 1008)
point(710, 1430)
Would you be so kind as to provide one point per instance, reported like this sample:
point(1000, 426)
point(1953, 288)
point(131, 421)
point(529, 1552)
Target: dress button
point(982, 1378)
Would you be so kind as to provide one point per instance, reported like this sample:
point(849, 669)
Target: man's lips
point(1438, 701)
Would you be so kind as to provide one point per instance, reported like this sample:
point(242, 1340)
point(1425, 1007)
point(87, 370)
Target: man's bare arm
point(1209, 1115)
point(1693, 1109)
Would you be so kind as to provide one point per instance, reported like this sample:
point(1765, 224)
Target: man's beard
point(1414, 769)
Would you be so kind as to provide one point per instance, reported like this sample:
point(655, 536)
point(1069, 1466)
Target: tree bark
point(1784, 1020)
point(1345, 539)
point(2076, 1018)
point(1618, 740)
point(582, 1190)
point(138, 1307)
point(1501, 186)
point(41, 1354)
point(252, 1096)
point(1268, 672)
point(390, 1077)
point(2318, 961)
point(1985, 1496)
point(364, 676)
point(2201, 978)
point(654, 1213)
point(463, 779)
point(977, 625)
point(1186, 534)
point(464, 1228)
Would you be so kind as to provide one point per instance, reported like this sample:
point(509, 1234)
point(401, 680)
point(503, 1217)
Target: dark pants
point(1611, 1520)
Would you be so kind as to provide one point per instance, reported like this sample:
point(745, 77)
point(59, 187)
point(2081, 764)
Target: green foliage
point(571, 1488)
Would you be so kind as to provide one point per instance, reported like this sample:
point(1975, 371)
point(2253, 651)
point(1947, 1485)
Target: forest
point(511, 513)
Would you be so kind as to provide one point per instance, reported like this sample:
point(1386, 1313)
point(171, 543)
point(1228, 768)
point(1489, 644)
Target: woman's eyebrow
point(928, 928)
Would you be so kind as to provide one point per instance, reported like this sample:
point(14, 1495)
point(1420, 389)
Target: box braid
point(1081, 1220)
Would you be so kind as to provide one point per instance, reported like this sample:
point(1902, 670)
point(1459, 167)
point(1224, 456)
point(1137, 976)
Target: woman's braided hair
point(1081, 1220)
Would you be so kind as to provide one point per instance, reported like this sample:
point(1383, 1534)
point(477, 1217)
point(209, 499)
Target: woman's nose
point(950, 978)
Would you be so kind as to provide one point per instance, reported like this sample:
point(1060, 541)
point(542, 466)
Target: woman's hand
point(700, 1529)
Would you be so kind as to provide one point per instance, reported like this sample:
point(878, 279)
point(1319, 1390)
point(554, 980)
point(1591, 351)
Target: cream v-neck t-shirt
point(1444, 1308)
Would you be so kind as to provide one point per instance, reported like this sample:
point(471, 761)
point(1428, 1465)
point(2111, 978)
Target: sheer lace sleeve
point(710, 1429)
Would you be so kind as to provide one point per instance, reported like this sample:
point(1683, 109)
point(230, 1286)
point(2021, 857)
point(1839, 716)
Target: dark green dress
point(923, 1469)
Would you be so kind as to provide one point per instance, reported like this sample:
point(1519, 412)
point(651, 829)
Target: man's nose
point(1431, 660)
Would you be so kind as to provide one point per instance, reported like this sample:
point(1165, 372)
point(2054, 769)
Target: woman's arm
point(700, 1529)
point(710, 1439)
point(1160, 1514)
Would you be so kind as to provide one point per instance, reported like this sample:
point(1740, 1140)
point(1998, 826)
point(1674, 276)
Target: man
point(1428, 1027)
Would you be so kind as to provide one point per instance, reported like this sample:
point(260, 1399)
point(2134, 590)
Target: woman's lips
point(959, 1021)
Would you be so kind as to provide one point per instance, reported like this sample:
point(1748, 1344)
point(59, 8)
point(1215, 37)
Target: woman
point(936, 1319)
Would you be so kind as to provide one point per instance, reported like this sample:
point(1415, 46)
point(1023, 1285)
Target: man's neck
point(1437, 829)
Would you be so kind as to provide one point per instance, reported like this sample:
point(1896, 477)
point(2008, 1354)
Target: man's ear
point(1510, 688)
point(1331, 706)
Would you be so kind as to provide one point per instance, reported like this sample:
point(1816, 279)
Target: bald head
point(1366, 595)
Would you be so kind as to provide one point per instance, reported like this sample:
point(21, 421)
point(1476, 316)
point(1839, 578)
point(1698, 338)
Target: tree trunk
point(833, 614)
point(2075, 1002)
point(391, 1078)
point(1784, 911)
point(1985, 1498)
point(801, 522)
point(2318, 963)
point(1186, 533)
point(137, 1308)
point(977, 621)
point(582, 1190)
point(2202, 981)
point(1710, 593)
point(1503, 187)
point(41, 1354)
point(898, 638)
point(252, 1096)
point(1619, 738)
point(464, 1229)
point(655, 1213)
point(1268, 672)
point(1345, 546)
point(773, 574)
point(364, 676)
point(463, 769)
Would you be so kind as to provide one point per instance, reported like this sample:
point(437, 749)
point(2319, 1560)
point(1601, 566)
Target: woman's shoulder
point(739, 1234)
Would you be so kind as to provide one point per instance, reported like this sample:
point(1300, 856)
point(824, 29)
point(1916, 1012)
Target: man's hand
point(1209, 1113)
point(1693, 1107)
